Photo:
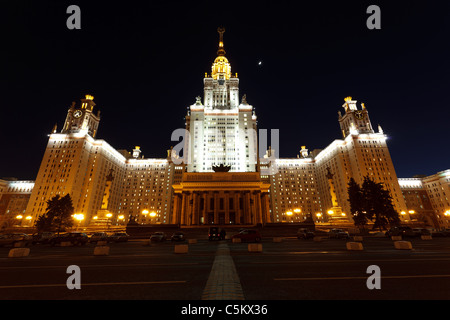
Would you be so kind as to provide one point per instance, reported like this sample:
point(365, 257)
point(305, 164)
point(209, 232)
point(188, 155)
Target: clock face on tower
point(359, 115)
point(77, 113)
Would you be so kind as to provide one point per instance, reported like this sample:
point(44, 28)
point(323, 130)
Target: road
point(290, 270)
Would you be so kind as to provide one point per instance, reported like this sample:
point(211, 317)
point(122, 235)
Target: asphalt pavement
point(288, 270)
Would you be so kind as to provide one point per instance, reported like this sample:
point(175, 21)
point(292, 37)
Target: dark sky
point(145, 61)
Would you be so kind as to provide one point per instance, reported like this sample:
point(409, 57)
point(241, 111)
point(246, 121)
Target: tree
point(356, 199)
point(378, 204)
point(58, 215)
point(371, 202)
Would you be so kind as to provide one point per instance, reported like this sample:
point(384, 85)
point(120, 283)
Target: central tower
point(222, 131)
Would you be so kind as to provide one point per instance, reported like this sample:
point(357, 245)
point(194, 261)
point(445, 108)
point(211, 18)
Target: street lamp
point(145, 212)
point(19, 218)
point(289, 214)
point(79, 217)
point(297, 212)
point(152, 216)
point(109, 215)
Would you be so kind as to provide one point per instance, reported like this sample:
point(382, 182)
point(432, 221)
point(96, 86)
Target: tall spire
point(221, 51)
point(221, 69)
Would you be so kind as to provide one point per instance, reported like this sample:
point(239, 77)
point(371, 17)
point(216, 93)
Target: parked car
point(421, 232)
point(43, 237)
point(437, 233)
point(98, 236)
point(158, 237)
point(247, 235)
point(177, 236)
point(10, 239)
point(400, 231)
point(304, 233)
point(215, 234)
point(75, 238)
point(119, 237)
point(338, 234)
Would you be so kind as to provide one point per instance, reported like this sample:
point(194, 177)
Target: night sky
point(144, 63)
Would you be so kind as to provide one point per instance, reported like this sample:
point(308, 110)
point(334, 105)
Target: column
point(266, 203)
point(205, 205)
point(258, 211)
point(216, 207)
point(237, 209)
point(176, 209)
point(195, 206)
point(247, 209)
point(227, 207)
point(183, 208)
point(190, 204)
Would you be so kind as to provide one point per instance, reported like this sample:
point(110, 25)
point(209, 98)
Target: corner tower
point(81, 118)
point(354, 121)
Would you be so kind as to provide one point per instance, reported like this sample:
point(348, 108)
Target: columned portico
point(221, 198)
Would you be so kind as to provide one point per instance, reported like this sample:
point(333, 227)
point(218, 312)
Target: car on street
point(158, 237)
point(118, 237)
point(403, 231)
point(42, 237)
point(178, 236)
point(10, 239)
point(440, 232)
point(338, 234)
point(305, 233)
point(98, 236)
point(421, 232)
point(75, 238)
point(247, 235)
point(215, 234)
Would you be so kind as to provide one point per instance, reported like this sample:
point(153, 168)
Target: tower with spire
point(81, 117)
point(355, 120)
point(222, 130)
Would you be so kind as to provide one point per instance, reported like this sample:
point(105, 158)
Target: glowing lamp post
point(79, 217)
point(297, 211)
point(28, 218)
point(152, 216)
point(319, 216)
point(289, 214)
point(145, 212)
point(19, 218)
point(109, 216)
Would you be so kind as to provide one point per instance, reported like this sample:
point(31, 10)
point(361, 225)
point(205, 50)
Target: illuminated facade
point(76, 163)
point(302, 184)
point(14, 198)
point(417, 201)
point(438, 190)
point(222, 131)
point(427, 198)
